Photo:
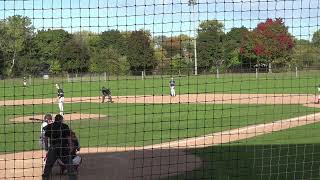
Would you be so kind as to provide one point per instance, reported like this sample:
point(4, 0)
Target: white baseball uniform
point(42, 132)
point(172, 85)
point(61, 101)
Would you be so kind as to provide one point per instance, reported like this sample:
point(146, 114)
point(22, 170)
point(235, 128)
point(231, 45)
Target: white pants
point(60, 104)
point(172, 91)
point(42, 143)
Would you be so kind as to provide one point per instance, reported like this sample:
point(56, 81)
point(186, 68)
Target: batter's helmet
point(47, 117)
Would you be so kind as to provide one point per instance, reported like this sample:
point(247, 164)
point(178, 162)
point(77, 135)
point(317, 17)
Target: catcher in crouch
point(76, 159)
point(106, 92)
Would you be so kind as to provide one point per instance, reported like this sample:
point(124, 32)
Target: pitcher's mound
point(67, 117)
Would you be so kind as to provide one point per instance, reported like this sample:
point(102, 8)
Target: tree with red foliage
point(270, 42)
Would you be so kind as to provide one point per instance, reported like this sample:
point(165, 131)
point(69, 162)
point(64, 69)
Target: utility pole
point(193, 3)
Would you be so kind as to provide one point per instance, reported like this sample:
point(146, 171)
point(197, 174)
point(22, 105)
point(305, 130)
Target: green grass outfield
point(158, 85)
point(138, 124)
point(292, 154)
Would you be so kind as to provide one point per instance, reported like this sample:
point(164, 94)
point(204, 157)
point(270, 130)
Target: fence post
point(68, 77)
point(217, 75)
point(296, 71)
point(105, 76)
point(270, 68)
point(256, 73)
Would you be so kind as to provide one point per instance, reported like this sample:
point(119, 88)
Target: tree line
point(24, 51)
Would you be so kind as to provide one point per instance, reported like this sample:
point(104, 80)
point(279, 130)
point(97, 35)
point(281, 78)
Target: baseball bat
point(35, 119)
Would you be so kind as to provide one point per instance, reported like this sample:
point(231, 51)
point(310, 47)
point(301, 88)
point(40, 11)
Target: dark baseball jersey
point(172, 83)
point(106, 92)
point(60, 93)
point(58, 134)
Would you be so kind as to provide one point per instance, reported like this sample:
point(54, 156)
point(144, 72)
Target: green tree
point(48, 47)
point(89, 38)
point(179, 64)
point(55, 66)
point(27, 64)
point(114, 39)
point(232, 45)
point(210, 48)
point(234, 58)
point(2, 62)
point(108, 60)
point(140, 54)
point(15, 35)
point(305, 54)
point(316, 39)
point(75, 56)
point(49, 43)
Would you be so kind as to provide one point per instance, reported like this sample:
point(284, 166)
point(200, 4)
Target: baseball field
point(234, 127)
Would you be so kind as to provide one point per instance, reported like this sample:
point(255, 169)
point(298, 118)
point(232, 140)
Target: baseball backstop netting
point(160, 89)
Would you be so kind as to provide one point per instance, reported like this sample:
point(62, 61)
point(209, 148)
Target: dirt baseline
point(67, 117)
point(185, 98)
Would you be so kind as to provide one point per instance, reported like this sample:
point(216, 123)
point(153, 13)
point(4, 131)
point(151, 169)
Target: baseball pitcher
point(172, 85)
point(60, 99)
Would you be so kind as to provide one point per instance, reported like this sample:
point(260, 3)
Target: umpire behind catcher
point(58, 135)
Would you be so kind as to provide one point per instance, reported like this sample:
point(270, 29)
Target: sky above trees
point(163, 17)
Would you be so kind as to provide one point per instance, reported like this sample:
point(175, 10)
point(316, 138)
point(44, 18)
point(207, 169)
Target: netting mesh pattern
point(159, 89)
